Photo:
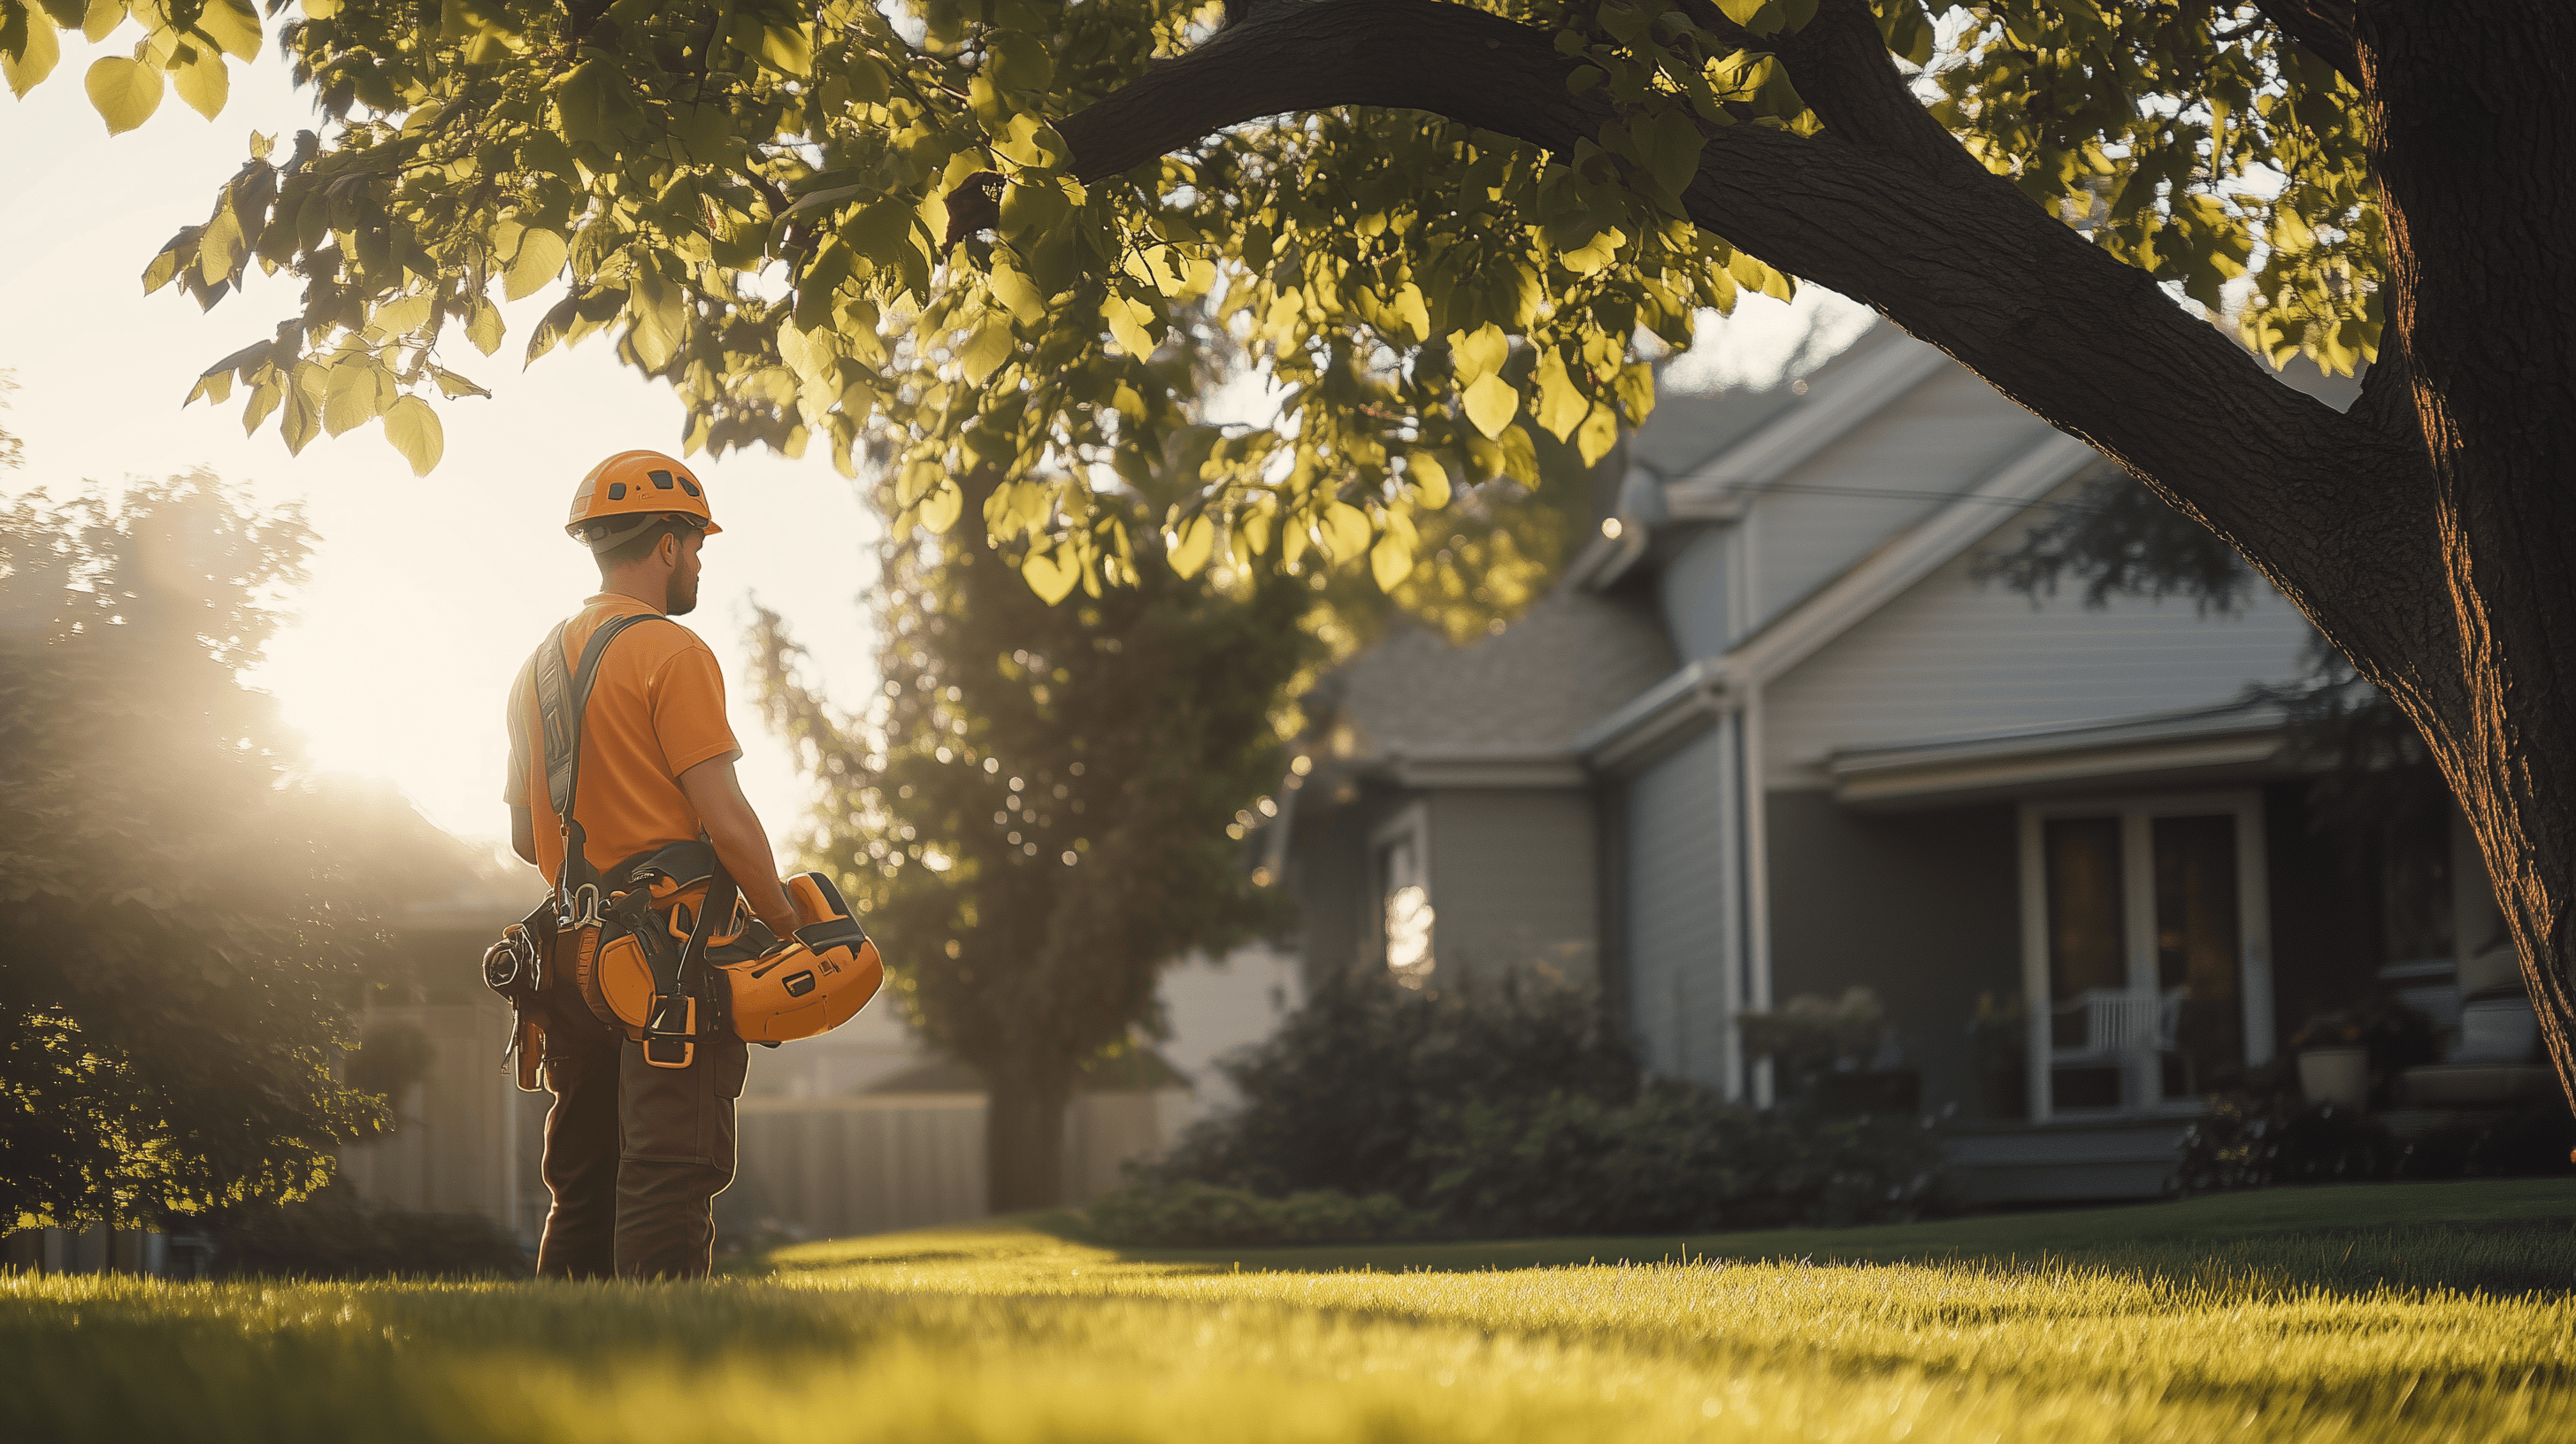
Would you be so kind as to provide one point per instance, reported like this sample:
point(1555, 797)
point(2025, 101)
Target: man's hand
point(740, 843)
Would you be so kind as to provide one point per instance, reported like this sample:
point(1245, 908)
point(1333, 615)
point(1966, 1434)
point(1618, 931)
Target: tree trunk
point(2425, 533)
point(2473, 142)
point(1024, 1141)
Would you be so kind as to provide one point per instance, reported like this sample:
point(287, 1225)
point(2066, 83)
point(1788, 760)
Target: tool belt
point(660, 948)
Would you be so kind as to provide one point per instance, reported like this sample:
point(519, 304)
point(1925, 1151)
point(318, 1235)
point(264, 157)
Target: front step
point(2065, 1161)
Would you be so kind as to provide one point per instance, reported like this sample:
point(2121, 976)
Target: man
point(635, 1154)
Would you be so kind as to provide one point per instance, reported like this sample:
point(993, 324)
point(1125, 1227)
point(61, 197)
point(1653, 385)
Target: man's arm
point(741, 845)
point(523, 834)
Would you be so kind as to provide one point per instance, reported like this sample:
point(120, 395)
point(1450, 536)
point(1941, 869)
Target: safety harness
point(615, 912)
point(660, 948)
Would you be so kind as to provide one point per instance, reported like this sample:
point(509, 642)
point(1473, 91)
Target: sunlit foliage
point(180, 917)
point(752, 199)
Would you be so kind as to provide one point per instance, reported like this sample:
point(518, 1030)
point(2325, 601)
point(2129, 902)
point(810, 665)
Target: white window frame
point(2138, 814)
point(1411, 822)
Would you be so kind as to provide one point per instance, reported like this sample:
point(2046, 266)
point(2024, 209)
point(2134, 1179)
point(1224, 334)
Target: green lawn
point(2428, 1311)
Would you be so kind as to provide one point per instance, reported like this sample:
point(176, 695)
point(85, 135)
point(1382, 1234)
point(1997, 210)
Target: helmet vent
point(617, 491)
point(690, 487)
point(661, 480)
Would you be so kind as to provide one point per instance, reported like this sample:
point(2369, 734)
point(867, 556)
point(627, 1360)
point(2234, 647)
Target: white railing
point(2124, 1022)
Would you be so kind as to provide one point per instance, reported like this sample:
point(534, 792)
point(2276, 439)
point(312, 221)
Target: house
point(1776, 734)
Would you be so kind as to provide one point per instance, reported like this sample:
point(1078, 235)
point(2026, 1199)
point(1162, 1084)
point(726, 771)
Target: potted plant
point(1823, 1050)
point(2334, 1062)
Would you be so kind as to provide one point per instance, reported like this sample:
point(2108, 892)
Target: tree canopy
point(1033, 814)
point(990, 232)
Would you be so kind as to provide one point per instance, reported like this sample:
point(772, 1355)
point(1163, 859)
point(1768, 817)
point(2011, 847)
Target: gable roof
point(1569, 661)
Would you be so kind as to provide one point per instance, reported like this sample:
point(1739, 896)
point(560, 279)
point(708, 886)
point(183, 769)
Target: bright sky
point(425, 594)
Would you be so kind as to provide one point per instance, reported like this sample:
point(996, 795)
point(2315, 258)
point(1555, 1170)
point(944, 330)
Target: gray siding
point(1683, 930)
point(1945, 435)
point(1953, 655)
point(1694, 589)
point(1513, 882)
point(1921, 908)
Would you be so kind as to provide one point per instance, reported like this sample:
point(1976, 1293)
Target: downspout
point(1753, 832)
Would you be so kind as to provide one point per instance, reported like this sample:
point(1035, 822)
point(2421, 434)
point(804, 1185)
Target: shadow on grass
point(2503, 1237)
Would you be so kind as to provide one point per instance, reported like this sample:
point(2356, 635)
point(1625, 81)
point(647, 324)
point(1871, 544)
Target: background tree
point(984, 211)
point(180, 919)
point(1033, 818)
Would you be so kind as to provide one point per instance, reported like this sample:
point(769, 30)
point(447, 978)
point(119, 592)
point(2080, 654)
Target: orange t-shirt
point(656, 710)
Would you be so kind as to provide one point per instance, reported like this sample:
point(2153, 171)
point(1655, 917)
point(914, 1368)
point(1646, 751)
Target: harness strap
point(561, 701)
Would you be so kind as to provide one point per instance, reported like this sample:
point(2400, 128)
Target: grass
point(2395, 1312)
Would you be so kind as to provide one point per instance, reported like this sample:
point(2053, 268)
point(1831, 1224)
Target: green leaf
point(234, 26)
point(350, 401)
point(412, 425)
point(985, 351)
point(1491, 404)
point(483, 326)
point(1014, 289)
point(1127, 321)
point(202, 81)
point(1480, 352)
point(102, 19)
point(939, 509)
point(579, 98)
point(1598, 433)
point(540, 257)
point(1595, 254)
point(1430, 478)
point(1344, 531)
point(791, 51)
point(1052, 579)
point(125, 91)
point(451, 385)
point(1391, 560)
point(302, 420)
point(1188, 548)
point(881, 232)
point(1762, 17)
point(1561, 403)
point(1027, 140)
point(31, 65)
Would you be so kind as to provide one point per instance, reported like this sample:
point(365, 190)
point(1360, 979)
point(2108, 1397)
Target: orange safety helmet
point(629, 492)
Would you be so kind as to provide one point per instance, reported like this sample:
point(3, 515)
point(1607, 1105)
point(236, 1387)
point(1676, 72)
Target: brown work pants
point(635, 1156)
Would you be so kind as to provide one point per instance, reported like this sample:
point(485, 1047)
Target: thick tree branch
point(1885, 208)
point(2322, 27)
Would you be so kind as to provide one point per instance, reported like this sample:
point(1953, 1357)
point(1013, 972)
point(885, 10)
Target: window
point(2145, 950)
point(1405, 914)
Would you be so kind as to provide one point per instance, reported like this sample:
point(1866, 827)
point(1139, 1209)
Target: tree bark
point(2424, 532)
point(2473, 143)
point(1024, 1140)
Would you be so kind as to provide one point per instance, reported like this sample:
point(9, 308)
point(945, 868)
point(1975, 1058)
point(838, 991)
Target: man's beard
point(680, 597)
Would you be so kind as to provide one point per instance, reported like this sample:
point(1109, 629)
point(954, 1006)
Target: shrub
point(1338, 1097)
point(1200, 1215)
point(337, 1235)
point(1377, 1112)
point(2256, 1143)
point(1678, 1159)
